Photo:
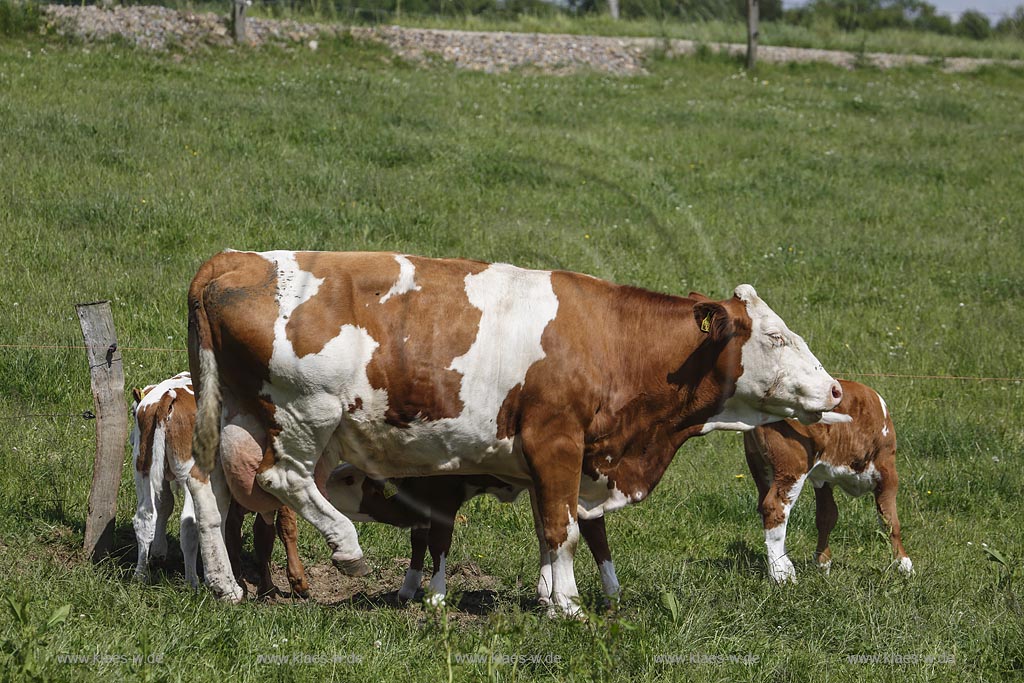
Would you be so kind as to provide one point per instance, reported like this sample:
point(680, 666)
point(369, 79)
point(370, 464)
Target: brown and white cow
point(579, 389)
point(161, 438)
point(428, 506)
point(859, 457)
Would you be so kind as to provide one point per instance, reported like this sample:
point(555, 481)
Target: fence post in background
point(107, 376)
point(752, 33)
point(238, 20)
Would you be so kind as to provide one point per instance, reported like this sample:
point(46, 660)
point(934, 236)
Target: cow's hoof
point(356, 567)
point(571, 611)
point(232, 594)
point(782, 571)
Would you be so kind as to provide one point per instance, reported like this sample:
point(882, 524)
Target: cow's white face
point(780, 374)
point(781, 377)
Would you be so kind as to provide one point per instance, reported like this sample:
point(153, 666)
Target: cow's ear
point(697, 296)
point(137, 395)
point(713, 320)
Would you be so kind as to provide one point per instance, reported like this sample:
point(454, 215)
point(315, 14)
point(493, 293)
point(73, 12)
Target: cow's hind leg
point(288, 532)
point(418, 539)
point(212, 499)
point(189, 538)
point(288, 474)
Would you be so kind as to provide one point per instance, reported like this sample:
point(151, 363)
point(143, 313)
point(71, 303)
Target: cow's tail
point(205, 377)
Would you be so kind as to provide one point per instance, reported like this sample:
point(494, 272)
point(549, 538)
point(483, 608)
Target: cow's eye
point(777, 339)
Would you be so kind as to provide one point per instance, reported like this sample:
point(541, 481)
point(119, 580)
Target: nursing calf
point(161, 439)
point(859, 457)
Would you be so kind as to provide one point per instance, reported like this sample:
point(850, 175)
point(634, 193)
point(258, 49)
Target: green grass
point(880, 213)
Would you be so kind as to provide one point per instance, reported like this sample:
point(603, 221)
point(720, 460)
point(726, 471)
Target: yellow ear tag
point(705, 324)
point(390, 489)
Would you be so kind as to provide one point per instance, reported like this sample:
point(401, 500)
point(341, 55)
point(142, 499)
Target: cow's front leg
point(211, 499)
point(596, 537)
point(775, 513)
point(544, 582)
point(555, 458)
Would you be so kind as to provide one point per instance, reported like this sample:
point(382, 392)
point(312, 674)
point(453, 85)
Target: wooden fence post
point(107, 376)
point(752, 33)
point(238, 20)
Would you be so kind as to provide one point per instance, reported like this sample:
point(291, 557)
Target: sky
point(995, 9)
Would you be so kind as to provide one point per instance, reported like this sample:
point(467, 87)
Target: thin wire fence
point(88, 414)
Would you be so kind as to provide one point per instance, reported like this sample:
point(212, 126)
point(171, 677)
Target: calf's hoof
point(356, 567)
point(905, 566)
point(434, 600)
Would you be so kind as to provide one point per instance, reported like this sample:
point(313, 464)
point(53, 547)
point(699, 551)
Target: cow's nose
point(837, 393)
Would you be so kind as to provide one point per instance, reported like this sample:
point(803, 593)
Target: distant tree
point(974, 24)
point(927, 18)
point(1012, 25)
point(767, 10)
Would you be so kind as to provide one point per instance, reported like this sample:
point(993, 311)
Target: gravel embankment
point(160, 28)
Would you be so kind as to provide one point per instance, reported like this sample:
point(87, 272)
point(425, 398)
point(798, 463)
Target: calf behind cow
point(428, 506)
point(164, 417)
point(859, 457)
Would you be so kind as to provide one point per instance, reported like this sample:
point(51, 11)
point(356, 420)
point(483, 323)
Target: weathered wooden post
point(752, 33)
point(238, 20)
point(107, 376)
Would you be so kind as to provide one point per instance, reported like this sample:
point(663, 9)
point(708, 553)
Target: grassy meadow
point(880, 213)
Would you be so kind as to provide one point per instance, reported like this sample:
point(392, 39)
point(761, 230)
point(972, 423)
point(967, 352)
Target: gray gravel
point(160, 28)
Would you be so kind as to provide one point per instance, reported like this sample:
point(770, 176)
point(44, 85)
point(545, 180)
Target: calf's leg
point(288, 532)
point(825, 518)
point(885, 502)
point(419, 539)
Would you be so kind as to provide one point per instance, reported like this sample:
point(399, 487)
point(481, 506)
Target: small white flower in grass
point(984, 545)
point(377, 644)
point(969, 543)
point(313, 45)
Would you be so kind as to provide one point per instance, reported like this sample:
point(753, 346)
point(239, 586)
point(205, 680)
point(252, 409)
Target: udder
point(241, 456)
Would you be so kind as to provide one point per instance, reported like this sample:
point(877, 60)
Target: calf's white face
point(781, 377)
